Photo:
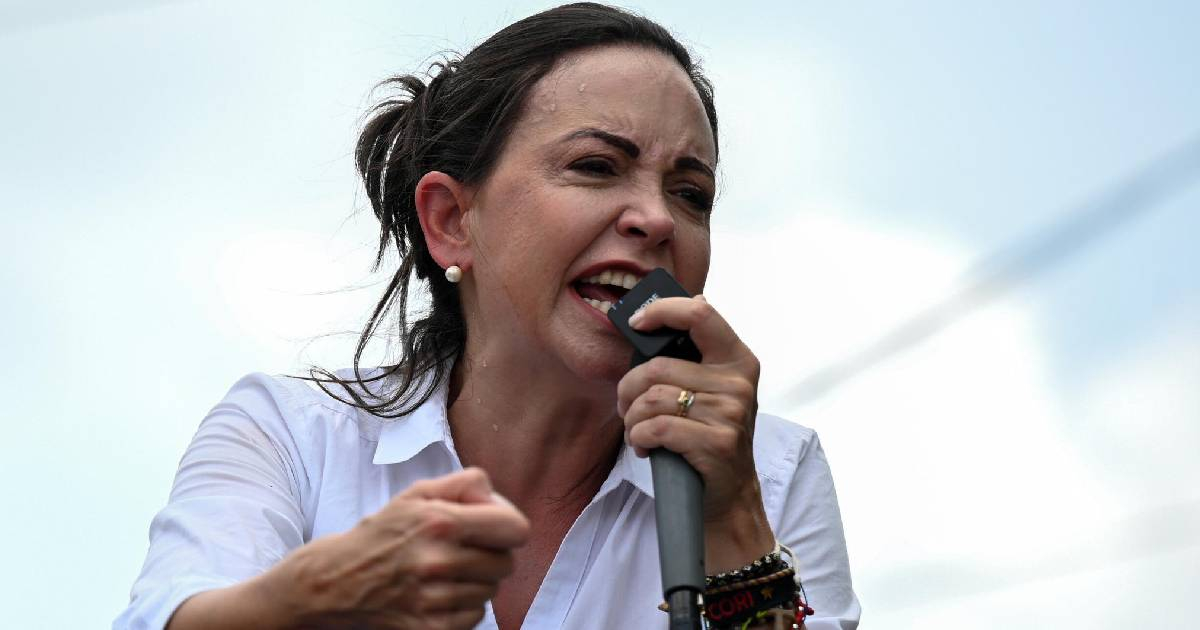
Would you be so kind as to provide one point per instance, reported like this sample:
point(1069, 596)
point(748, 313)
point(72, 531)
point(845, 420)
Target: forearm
point(245, 605)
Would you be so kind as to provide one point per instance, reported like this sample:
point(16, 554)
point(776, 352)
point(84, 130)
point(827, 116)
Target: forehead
point(638, 92)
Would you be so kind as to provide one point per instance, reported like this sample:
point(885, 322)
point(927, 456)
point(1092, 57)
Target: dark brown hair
point(456, 123)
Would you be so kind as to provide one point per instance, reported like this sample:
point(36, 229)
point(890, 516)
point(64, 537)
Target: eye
point(593, 166)
point(696, 197)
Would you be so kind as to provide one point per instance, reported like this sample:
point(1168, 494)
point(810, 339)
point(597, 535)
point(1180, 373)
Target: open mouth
point(604, 289)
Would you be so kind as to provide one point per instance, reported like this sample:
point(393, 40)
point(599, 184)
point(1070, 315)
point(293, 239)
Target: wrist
point(292, 593)
point(740, 537)
point(269, 593)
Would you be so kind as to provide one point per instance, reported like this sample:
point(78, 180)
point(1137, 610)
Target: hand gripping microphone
point(678, 488)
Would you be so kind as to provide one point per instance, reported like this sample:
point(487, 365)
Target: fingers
point(495, 526)
point(440, 597)
point(455, 620)
point(444, 561)
point(658, 409)
point(486, 525)
point(470, 485)
point(663, 400)
point(463, 507)
point(678, 373)
point(713, 336)
point(702, 444)
point(729, 368)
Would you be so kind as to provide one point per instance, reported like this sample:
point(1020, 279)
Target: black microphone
point(678, 488)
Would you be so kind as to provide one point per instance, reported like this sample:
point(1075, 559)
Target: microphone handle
point(678, 508)
point(679, 513)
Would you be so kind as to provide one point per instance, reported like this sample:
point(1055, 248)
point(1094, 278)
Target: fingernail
point(702, 298)
point(636, 319)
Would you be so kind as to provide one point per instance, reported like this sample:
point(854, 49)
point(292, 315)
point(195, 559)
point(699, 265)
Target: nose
point(649, 221)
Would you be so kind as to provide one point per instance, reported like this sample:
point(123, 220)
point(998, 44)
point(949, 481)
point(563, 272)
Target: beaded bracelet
point(736, 604)
point(758, 589)
point(751, 593)
point(769, 563)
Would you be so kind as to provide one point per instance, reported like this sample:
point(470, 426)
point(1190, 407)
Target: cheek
point(511, 224)
point(692, 259)
point(531, 241)
point(566, 222)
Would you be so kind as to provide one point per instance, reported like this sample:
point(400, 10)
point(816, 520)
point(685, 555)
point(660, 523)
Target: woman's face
point(607, 175)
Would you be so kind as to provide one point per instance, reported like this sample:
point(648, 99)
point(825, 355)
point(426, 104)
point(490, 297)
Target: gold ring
point(686, 398)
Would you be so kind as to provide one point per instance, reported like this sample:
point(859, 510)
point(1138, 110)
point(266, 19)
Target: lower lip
point(593, 310)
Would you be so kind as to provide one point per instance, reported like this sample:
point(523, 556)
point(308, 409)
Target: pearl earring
point(454, 273)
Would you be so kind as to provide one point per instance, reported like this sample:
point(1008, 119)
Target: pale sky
point(177, 203)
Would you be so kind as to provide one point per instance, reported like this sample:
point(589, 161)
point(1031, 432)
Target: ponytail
point(390, 157)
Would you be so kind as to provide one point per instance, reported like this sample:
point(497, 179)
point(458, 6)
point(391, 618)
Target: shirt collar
point(635, 470)
point(401, 439)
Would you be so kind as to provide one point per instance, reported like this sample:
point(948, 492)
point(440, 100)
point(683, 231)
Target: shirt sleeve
point(234, 509)
point(809, 521)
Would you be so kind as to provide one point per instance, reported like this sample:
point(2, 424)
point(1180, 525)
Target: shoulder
point(792, 469)
point(779, 447)
point(297, 406)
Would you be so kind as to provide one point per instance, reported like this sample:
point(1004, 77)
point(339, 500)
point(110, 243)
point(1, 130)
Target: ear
point(442, 204)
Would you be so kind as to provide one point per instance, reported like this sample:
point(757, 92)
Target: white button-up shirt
point(278, 463)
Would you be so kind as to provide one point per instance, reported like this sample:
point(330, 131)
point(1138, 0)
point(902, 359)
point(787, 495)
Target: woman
point(497, 474)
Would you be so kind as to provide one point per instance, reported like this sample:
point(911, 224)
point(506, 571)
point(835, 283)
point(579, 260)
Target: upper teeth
point(615, 278)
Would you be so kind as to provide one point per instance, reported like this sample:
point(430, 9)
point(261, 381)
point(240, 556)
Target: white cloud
point(952, 459)
point(1141, 414)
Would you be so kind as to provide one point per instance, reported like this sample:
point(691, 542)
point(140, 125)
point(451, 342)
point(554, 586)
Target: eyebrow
point(693, 164)
point(623, 144)
point(632, 150)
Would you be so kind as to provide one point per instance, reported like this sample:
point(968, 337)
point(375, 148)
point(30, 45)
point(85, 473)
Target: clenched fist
point(430, 559)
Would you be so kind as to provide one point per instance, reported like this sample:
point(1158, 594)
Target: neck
point(546, 439)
